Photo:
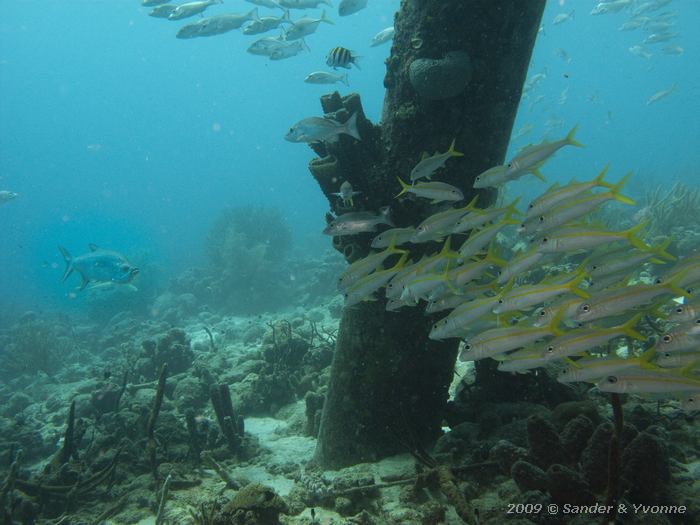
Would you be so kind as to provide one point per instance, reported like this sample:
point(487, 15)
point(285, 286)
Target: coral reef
point(173, 348)
point(254, 504)
point(248, 250)
point(673, 212)
point(34, 345)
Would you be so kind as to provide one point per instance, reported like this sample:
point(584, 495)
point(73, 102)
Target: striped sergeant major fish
point(341, 57)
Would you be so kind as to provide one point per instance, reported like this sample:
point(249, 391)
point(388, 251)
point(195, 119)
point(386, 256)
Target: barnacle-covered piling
point(387, 374)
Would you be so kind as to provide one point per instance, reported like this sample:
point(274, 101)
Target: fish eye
point(544, 240)
point(509, 165)
point(500, 301)
point(612, 380)
point(543, 313)
point(679, 310)
point(586, 308)
point(550, 349)
point(346, 295)
point(530, 206)
point(657, 281)
point(667, 355)
point(522, 225)
point(467, 348)
point(478, 177)
point(667, 338)
point(594, 267)
point(541, 218)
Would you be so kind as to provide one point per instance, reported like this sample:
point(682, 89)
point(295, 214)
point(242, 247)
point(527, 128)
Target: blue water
point(114, 132)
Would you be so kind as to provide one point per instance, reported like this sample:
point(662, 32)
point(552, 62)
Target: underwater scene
point(350, 262)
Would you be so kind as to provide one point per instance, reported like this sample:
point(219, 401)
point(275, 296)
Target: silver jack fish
point(99, 266)
point(192, 8)
point(217, 25)
point(349, 7)
point(303, 4)
point(7, 196)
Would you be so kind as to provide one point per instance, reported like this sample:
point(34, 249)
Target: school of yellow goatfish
point(570, 302)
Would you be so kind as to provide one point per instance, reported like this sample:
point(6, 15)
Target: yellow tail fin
point(404, 187)
point(572, 285)
point(635, 241)
point(629, 331)
point(598, 181)
point(660, 250)
point(452, 151)
point(615, 190)
point(570, 140)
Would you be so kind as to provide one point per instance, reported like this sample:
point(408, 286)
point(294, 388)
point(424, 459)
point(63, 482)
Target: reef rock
point(254, 504)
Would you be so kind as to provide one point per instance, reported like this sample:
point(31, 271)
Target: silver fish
point(162, 11)
point(395, 236)
point(305, 26)
point(346, 194)
point(672, 50)
point(661, 94)
point(266, 23)
point(266, 46)
point(303, 4)
point(383, 36)
point(325, 77)
point(563, 17)
point(349, 7)
point(290, 49)
point(192, 8)
point(314, 129)
point(640, 52)
point(99, 266)
point(655, 38)
point(216, 25)
point(358, 222)
point(7, 196)
point(272, 4)
point(430, 164)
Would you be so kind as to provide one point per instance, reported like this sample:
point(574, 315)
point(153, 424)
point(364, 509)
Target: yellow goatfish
point(364, 289)
point(559, 195)
point(653, 383)
point(434, 190)
point(429, 165)
point(591, 370)
point(588, 239)
point(532, 157)
point(583, 339)
point(501, 340)
point(526, 297)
